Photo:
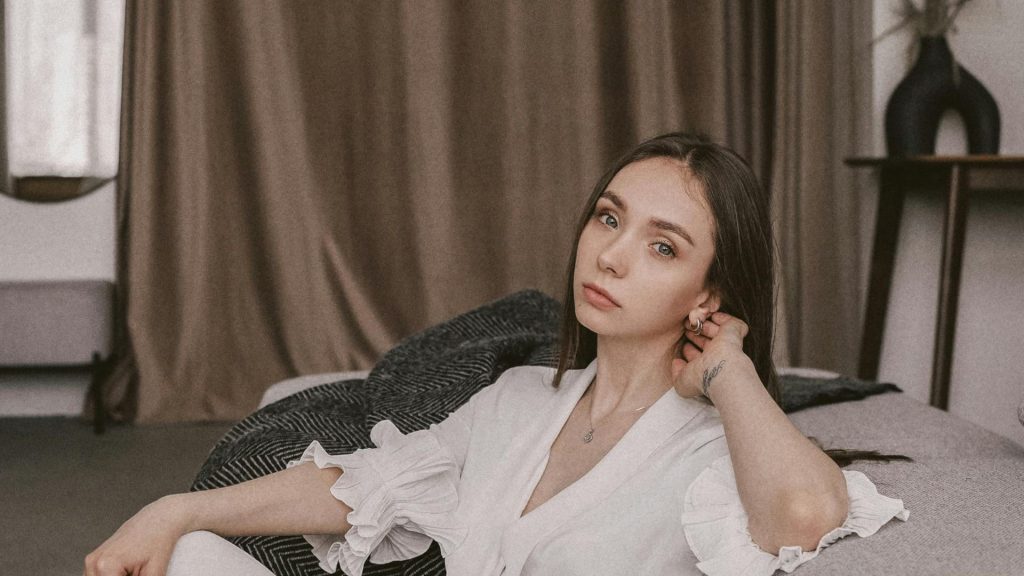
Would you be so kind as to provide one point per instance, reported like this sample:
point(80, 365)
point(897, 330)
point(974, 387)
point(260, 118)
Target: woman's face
point(647, 247)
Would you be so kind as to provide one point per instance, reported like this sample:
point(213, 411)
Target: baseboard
point(43, 392)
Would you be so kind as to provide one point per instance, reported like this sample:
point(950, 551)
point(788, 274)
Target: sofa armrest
point(288, 387)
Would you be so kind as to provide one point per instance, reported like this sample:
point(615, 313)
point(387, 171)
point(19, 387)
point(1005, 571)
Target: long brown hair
point(742, 271)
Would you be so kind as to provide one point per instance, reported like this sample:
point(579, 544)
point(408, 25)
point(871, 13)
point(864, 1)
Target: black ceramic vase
point(935, 84)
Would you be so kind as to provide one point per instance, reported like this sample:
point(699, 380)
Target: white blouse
point(662, 501)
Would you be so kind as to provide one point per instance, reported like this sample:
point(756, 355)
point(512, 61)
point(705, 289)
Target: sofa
point(964, 488)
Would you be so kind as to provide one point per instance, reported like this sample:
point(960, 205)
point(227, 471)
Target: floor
point(63, 489)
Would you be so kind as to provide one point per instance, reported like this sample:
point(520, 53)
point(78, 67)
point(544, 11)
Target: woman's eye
point(608, 220)
point(664, 249)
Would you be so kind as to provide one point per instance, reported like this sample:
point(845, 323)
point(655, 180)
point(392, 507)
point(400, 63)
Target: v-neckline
point(580, 387)
point(526, 464)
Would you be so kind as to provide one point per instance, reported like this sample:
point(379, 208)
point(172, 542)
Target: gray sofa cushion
point(965, 490)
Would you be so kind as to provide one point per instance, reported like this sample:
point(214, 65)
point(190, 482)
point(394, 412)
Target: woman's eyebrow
point(674, 228)
point(615, 198)
point(656, 222)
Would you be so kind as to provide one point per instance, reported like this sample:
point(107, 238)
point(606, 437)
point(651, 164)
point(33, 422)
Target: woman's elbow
point(802, 520)
point(811, 518)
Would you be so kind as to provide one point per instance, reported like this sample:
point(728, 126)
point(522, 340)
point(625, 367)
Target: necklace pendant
point(588, 436)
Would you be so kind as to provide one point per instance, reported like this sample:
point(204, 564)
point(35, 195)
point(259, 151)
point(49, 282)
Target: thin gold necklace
point(589, 436)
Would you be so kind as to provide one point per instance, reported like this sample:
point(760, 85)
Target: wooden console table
point(958, 176)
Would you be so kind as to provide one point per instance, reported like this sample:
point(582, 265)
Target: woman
point(656, 447)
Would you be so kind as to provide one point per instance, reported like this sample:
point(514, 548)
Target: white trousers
point(206, 554)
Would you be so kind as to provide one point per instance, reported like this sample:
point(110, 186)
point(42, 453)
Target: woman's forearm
point(293, 501)
point(792, 491)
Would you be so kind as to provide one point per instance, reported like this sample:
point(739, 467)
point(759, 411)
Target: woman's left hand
point(705, 355)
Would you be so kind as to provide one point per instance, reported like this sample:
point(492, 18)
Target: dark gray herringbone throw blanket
point(417, 383)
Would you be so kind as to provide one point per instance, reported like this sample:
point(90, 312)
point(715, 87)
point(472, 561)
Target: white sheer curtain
point(63, 65)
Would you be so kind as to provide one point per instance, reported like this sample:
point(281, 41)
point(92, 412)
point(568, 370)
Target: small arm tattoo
point(709, 375)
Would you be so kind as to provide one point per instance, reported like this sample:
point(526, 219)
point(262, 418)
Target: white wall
point(60, 241)
point(987, 381)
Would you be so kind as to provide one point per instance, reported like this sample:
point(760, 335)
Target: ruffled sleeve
point(402, 495)
point(715, 524)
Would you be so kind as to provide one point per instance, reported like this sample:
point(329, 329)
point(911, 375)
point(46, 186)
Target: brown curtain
point(305, 183)
point(822, 115)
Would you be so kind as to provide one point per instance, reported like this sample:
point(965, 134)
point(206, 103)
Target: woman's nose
point(613, 257)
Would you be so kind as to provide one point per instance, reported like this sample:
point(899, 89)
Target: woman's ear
point(710, 302)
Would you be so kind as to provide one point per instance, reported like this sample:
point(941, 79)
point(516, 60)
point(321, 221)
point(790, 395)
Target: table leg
point(954, 229)
point(99, 373)
point(883, 256)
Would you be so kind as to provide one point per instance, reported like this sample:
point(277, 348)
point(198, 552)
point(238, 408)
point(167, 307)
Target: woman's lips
point(598, 298)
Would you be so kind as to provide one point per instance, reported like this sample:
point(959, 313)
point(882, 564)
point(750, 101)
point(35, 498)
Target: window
point(63, 88)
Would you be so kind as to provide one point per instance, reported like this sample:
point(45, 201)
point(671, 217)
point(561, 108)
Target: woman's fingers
point(720, 323)
point(98, 564)
point(717, 324)
point(690, 352)
point(698, 341)
point(708, 330)
point(142, 546)
point(677, 367)
point(103, 563)
point(723, 320)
